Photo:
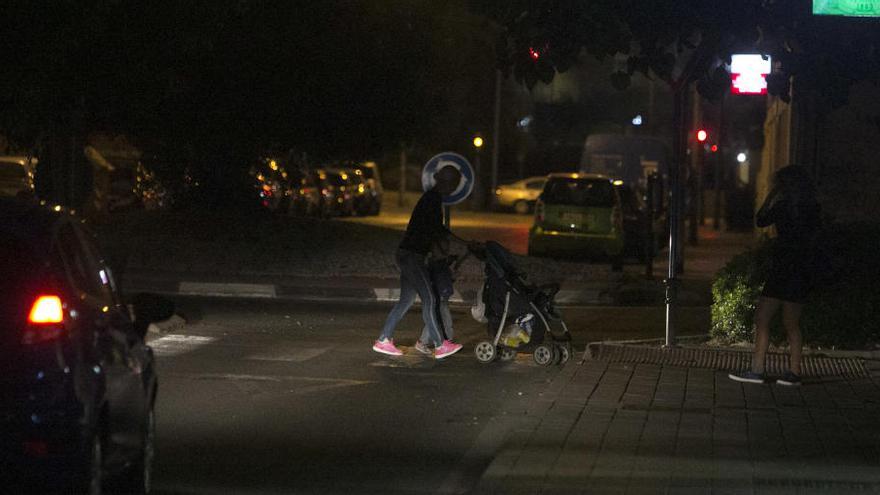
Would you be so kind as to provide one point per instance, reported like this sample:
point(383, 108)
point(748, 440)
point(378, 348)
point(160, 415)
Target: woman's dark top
point(425, 224)
point(791, 259)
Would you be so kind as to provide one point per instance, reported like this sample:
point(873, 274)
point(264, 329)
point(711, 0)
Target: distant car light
point(618, 182)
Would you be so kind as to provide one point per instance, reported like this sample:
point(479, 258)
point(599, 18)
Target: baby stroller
point(520, 316)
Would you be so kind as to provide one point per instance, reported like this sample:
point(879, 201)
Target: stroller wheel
point(485, 351)
point(507, 354)
point(557, 354)
point(543, 355)
point(564, 352)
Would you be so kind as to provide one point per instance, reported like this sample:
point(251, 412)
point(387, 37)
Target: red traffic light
point(702, 135)
point(534, 53)
point(714, 148)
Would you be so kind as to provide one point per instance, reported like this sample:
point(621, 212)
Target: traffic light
point(534, 53)
point(702, 135)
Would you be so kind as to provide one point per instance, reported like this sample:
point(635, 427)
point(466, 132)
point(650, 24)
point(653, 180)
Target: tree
point(214, 84)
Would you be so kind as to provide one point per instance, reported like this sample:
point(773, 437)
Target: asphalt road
point(272, 397)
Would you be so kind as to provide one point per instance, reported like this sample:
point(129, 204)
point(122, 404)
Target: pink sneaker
point(423, 348)
point(447, 348)
point(387, 347)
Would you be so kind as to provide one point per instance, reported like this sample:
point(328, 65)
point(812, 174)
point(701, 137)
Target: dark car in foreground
point(77, 381)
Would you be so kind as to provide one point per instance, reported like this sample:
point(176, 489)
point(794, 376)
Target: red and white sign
point(749, 73)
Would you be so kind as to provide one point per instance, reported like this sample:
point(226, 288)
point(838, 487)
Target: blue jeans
point(414, 280)
point(445, 320)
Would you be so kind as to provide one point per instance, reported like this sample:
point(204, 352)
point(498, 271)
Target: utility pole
point(496, 132)
point(695, 183)
point(719, 167)
point(400, 194)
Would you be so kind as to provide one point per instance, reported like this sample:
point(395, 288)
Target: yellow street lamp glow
point(478, 142)
point(273, 165)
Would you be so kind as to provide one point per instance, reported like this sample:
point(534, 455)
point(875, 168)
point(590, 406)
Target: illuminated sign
point(749, 73)
point(848, 8)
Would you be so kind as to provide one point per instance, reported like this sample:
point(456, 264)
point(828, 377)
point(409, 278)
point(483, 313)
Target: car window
point(535, 184)
point(10, 171)
point(80, 265)
point(579, 192)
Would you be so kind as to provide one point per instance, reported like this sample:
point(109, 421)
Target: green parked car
point(580, 216)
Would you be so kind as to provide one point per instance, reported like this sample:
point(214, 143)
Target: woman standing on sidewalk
point(792, 207)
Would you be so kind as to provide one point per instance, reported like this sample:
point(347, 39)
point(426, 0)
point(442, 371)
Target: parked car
point(373, 182)
point(520, 195)
point(270, 183)
point(365, 201)
point(334, 201)
point(345, 189)
point(304, 194)
point(579, 215)
point(17, 176)
point(77, 382)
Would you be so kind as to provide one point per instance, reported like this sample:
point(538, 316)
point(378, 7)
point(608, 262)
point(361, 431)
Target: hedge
point(842, 311)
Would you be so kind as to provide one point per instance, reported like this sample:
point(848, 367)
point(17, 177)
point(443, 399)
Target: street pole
point(719, 170)
point(674, 211)
point(400, 193)
point(695, 181)
point(478, 196)
point(496, 131)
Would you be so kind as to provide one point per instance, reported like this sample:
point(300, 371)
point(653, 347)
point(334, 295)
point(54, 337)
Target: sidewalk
point(619, 428)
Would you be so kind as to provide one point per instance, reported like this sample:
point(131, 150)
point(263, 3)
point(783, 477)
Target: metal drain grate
point(723, 359)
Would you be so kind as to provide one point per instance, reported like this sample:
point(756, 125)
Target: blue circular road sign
point(449, 159)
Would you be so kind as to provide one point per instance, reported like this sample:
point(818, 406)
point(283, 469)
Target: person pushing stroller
point(424, 232)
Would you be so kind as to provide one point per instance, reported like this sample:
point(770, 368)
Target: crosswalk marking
point(175, 344)
point(295, 355)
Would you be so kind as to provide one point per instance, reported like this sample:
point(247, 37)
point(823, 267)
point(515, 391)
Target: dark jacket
point(425, 226)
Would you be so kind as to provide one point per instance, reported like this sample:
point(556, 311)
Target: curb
point(585, 297)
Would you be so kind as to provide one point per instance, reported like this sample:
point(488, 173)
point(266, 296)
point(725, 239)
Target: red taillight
point(44, 320)
point(46, 309)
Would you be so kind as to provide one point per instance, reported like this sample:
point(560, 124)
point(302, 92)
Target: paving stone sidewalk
point(637, 429)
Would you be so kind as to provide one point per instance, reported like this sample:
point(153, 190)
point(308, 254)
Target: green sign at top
point(848, 8)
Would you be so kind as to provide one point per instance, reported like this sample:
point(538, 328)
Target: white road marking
point(393, 295)
point(289, 355)
point(307, 385)
point(175, 344)
point(387, 295)
point(226, 290)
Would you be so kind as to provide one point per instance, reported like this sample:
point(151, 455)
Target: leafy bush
point(843, 310)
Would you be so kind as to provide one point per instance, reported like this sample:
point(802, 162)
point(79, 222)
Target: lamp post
point(479, 196)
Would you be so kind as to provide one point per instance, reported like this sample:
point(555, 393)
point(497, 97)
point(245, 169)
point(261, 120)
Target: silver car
point(520, 195)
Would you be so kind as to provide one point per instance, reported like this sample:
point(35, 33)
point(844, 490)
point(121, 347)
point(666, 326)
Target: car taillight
point(45, 320)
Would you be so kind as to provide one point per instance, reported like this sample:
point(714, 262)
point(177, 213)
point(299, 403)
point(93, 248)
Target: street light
point(741, 157)
point(478, 142)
